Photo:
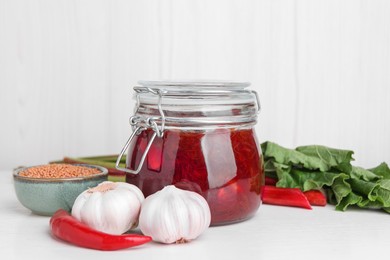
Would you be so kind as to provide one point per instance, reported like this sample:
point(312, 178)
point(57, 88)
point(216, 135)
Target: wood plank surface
point(321, 68)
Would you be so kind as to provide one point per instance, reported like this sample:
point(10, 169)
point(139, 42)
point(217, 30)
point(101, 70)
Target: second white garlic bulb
point(174, 215)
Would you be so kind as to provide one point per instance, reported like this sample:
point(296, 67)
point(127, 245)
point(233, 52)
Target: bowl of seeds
point(46, 188)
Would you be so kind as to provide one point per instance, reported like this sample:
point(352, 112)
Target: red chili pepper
point(66, 227)
point(285, 197)
point(315, 197)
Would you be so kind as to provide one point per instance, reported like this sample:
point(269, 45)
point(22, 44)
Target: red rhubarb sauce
point(224, 165)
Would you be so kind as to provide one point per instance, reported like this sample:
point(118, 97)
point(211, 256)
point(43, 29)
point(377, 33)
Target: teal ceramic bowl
point(44, 196)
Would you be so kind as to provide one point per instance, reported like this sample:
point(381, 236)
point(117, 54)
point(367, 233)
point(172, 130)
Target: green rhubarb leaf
point(350, 199)
point(382, 170)
point(311, 180)
point(329, 157)
point(363, 174)
point(285, 179)
point(364, 188)
point(341, 188)
point(368, 204)
point(269, 166)
point(306, 180)
point(382, 192)
point(287, 156)
point(314, 157)
point(318, 180)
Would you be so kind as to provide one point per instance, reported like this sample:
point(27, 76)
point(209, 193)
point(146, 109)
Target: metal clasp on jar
point(140, 124)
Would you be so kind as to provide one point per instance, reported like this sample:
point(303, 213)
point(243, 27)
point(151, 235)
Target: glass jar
point(198, 136)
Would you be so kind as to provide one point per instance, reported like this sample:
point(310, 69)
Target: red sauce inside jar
point(223, 165)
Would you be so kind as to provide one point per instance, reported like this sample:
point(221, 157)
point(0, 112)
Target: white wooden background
point(322, 69)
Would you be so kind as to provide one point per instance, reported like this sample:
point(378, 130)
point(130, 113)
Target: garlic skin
point(110, 207)
point(174, 215)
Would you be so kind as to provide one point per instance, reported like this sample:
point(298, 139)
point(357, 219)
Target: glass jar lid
point(197, 104)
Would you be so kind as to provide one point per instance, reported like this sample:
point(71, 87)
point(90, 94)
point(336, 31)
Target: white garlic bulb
point(174, 215)
point(110, 207)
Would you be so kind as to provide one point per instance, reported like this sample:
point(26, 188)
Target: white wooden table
point(274, 233)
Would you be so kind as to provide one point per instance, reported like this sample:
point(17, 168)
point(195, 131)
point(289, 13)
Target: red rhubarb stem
point(270, 181)
point(315, 197)
point(292, 197)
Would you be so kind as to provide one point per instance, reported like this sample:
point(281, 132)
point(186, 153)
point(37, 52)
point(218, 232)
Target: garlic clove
point(91, 214)
point(121, 214)
point(132, 188)
point(79, 203)
point(174, 215)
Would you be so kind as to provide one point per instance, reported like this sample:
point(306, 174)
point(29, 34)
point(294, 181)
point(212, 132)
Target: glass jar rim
point(199, 84)
point(195, 89)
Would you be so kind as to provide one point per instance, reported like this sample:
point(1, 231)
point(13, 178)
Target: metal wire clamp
point(149, 122)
